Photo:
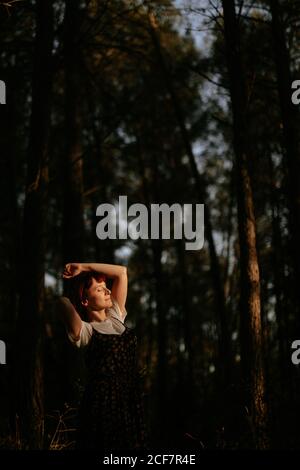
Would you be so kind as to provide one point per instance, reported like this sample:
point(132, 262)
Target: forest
point(164, 102)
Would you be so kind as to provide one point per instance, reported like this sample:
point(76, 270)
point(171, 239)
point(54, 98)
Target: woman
point(111, 414)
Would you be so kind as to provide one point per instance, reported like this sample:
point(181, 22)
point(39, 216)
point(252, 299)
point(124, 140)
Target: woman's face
point(98, 296)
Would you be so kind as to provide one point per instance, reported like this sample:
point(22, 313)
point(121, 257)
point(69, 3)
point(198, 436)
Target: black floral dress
point(111, 415)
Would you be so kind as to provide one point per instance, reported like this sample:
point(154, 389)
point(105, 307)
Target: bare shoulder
point(64, 299)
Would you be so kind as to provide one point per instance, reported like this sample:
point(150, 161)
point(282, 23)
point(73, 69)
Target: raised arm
point(70, 317)
point(113, 271)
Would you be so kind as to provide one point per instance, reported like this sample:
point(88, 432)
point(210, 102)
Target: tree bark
point(72, 180)
point(10, 245)
point(73, 225)
point(186, 309)
point(290, 125)
point(284, 362)
point(30, 322)
point(250, 321)
point(156, 247)
point(104, 249)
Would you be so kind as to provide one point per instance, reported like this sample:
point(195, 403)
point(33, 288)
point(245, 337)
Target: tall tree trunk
point(156, 246)
point(73, 222)
point(290, 122)
point(186, 317)
point(251, 333)
point(280, 311)
point(30, 322)
point(162, 341)
point(185, 385)
point(10, 249)
point(73, 226)
point(225, 359)
point(104, 249)
point(10, 217)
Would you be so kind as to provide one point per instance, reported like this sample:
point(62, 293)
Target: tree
point(290, 124)
point(30, 407)
point(251, 334)
point(73, 226)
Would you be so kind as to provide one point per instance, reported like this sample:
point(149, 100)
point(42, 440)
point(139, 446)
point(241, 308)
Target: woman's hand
point(71, 270)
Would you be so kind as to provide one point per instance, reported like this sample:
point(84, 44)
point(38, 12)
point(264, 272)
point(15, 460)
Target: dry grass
point(58, 432)
point(64, 434)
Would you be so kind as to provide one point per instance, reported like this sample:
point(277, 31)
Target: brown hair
point(76, 288)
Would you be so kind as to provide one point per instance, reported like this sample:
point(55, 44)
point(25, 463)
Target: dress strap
point(120, 321)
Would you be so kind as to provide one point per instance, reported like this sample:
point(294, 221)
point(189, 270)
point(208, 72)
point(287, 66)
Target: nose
point(107, 290)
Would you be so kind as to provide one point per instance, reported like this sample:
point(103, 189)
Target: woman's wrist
point(85, 267)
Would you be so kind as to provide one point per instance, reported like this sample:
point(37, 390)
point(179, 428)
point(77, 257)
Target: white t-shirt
point(112, 325)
